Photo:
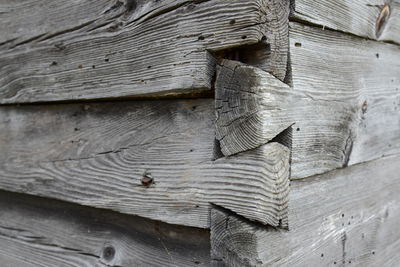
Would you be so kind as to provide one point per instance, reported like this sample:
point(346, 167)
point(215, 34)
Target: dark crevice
point(288, 77)
point(27, 41)
point(76, 28)
point(229, 213)
point(217, 150)
point(253, 55)
point(284, 138)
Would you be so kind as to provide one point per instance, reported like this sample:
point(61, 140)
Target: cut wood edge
point(114, 64)
point(107, 148)
point(344, 216)
point(234, 240)
point(250, 108)
point(269, 201)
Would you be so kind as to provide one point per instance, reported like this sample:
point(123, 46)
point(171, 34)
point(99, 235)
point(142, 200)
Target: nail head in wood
point(146, 180)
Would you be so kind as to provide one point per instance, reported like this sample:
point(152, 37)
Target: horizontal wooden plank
point(346, 101)
point(43, 232)
point(129, 49)
point(249, 107)
point(345, 217)
point(101, 154)
point(378, 19)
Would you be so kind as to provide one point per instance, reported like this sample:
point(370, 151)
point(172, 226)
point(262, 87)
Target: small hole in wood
point(377, 55)
point(80, 67)
point(106, 60)
point(76, 129)
point(373, 252)
point(54, 63)
point(233, 21)
point(297, 44)
point(93, 66)
point(244, 37)
point(201, 38)
point(322, 255)
point(298, 129)
point(149, 67)
point(334, 262)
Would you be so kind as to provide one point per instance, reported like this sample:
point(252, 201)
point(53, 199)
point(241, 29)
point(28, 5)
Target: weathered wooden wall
point(43, 232)
point(274, 124)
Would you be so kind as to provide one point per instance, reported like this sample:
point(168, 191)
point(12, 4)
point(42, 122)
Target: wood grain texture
point(344, 217)
point(43, 232)
point(130, 48)
point(346, 93)
point(378, 19)
point(248, 107)
point(96, 155)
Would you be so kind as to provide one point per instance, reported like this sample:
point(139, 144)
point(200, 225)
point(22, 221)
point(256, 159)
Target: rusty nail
point(146, 180)
point(382, 19)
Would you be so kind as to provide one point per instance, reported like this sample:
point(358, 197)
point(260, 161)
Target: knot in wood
point(382, 20)
point(108, 253)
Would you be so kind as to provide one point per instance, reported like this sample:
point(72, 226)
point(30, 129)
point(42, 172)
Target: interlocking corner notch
point(250, 107)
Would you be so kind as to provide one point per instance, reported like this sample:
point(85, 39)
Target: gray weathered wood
point(248, 107)
point(344, 102)
point(96, 155)
point(378, 19)
point(127, 49)
point(350, 107)
point(345, 217)
point(42, 232)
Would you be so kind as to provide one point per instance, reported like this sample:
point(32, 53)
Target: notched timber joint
point(250, 108)
point(234, 239)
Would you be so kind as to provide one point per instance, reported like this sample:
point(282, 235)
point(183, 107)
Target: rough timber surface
point(96, 154)
point(108, 49)
point(248, 107)
point(43, 232)
point(347, 103)
point(342, 218)
point(377, 19)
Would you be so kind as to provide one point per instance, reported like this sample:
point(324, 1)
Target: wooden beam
point(347, 216)
point(116, 49)
point(346, 100)
point(249, 107)
point(378, 20)
point(43, 232)
point(149, 158)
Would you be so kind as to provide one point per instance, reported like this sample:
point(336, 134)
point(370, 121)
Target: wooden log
point(131, 48)
point(378, 20)
point(347, 100)
point(43, 232)
point(345, 217)
point(248, 107)
point(345, 96)
point(148, 158)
